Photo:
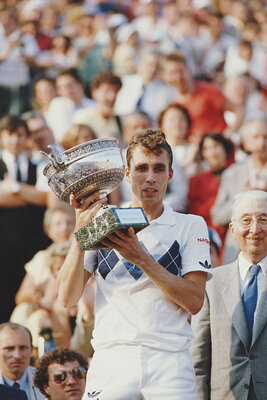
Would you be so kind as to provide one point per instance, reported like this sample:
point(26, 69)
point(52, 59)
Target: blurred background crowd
point(73, 71)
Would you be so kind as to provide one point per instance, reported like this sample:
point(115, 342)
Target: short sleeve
point(90, 261)
point(196, 252)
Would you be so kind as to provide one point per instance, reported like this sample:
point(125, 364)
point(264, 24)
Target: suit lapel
point(261, 316)
point(233, 303)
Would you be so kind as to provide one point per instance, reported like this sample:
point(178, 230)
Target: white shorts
point(137, 373)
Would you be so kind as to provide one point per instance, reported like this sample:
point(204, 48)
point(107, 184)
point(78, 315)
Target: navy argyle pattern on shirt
point(108, 260)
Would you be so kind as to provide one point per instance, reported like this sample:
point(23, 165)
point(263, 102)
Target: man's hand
point(127, 244)
point(87, 208)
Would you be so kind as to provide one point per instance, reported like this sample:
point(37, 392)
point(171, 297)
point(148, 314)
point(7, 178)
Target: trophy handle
point(54, 158)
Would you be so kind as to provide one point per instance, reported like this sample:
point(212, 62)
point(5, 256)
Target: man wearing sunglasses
point(60, 374)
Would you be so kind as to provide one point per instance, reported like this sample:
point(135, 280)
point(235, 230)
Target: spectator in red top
point(217, 151)
point(204, 100)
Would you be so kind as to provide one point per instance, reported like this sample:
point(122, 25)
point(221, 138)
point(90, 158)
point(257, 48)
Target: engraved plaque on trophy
point(85, 169)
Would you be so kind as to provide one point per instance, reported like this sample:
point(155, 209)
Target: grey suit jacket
point(233, 182)
point(35, 394)
point(224, 362)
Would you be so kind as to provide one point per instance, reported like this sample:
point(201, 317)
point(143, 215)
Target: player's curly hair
point(58, 355)
point(151, 140)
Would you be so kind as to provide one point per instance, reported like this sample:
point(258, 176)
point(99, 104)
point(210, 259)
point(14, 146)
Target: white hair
point(248, 195)
point(245, 128)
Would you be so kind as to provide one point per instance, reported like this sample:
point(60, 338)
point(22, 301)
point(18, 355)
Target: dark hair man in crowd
point(230, 346)
point(147, 284)
point(15, 357)
point(60, 374)
point(23, 197)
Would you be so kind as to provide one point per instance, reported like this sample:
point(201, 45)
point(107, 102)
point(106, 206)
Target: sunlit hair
point(248, 195)
point(70, 138)
point(12, 123)
point(59, 207)
point(105, 77)
point(217, 137)
point(245, 128)
point(151, 140)
point(176, 56)
point(59, 355)
point(177, 107)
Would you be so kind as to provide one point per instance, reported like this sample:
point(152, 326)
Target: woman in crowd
point(218, 152)
point(175, 122)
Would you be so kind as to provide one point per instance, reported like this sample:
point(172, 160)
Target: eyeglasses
point(61, 376)
point(247, 221)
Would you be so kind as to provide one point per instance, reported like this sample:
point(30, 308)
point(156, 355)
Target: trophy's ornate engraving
point(85, 168)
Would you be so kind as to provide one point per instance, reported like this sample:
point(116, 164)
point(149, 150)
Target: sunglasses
point(61, 376)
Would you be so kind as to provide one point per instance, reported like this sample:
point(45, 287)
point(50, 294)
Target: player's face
point(149, 175)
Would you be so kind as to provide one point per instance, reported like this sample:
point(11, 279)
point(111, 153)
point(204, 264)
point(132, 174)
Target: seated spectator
point(59, 58)
point(236, 89)
point(175, 122)
point(59, 225)
point(44, 91)
point(77, 134)
point(60, 374)
point(104, 87)
point(126, 51)
point(17, 53)
point(50, 313)
point(204, 100)
point(238, 59)
point(41, 136)
point(217, 151)
point(15, 357)
point(249, 174)
point(23, 198)
point(71, 97)
point(144, 90)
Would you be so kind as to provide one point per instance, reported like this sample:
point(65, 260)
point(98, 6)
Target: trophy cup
point(85, 169)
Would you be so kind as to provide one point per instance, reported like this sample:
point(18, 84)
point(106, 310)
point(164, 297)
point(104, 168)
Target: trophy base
point(107, 221)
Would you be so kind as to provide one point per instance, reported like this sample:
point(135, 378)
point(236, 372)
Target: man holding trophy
point(147, 285)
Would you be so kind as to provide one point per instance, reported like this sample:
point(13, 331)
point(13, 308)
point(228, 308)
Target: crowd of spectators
point(77, 70)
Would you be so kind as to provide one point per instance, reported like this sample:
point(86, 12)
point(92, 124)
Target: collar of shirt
point(166, 218)
point(23, 162)
point(244, 274)
point(22, 381)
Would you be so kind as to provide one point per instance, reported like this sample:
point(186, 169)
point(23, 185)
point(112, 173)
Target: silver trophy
point(85, 169)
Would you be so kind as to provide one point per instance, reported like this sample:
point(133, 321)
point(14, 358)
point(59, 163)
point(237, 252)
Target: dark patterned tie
point(250, 296)
point(16, 385)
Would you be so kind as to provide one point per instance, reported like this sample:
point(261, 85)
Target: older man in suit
point(10, 393)
point(247, 175)
point(15, 355)
point(230, 346)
